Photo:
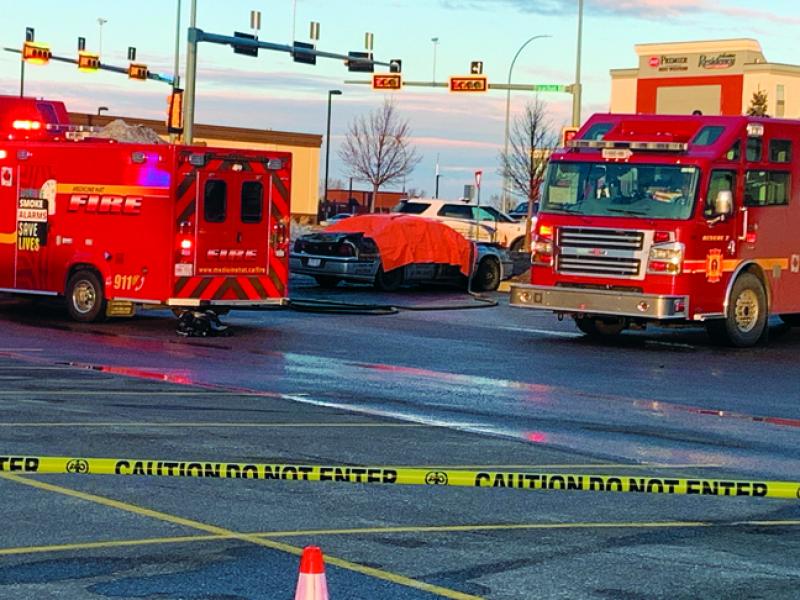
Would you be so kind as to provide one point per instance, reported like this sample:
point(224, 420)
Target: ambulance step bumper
point(599, 302)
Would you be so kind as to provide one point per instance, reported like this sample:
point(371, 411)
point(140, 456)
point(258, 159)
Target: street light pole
point(101, 21)
point(435, 41)
point(576, 90)
point(191, 76)
point(508, 112)
point(331, 94)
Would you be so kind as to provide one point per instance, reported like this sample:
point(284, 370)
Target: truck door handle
point(239, 237)
point(745, 225)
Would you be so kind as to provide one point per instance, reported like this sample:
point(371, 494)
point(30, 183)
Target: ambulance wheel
point(746, 321)
point(389, 281)
point(600, 328)
point(791, 320)
point(326, 281)
point(487, 275)
point(86, 301)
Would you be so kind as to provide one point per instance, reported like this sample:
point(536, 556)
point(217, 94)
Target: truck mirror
point(723, 203)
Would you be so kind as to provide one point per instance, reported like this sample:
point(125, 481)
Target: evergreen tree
point(758, 104)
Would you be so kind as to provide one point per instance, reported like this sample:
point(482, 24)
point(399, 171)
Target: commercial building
point(303, 146)
point(716, 77)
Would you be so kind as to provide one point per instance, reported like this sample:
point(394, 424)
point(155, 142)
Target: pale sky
point(273, 92)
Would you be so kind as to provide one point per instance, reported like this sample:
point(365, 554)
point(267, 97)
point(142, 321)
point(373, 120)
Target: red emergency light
point(26, 125)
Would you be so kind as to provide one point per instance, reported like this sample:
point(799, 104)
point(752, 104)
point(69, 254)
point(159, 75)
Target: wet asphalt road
point(497, 388)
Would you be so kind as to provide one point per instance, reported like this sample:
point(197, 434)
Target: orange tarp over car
point(405, 239)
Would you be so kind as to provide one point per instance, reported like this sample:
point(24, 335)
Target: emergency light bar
point(608, 144)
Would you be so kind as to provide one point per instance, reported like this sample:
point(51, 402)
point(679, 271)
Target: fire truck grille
point(590, 265)
point(600, 238)
point(600, 252)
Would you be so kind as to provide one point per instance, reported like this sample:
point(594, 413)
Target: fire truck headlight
point(666, 258)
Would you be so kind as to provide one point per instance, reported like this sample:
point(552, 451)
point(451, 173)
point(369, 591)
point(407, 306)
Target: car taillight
point(346, 249)
point(666, 258)
point(542, 247)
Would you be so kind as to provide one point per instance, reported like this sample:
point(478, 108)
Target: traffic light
point(137, 71)
point(390, 82)
point(476, 67)
point(395, 65)
point(36, 53)
point(365, 65)
point(88, 61)
point(175, 111)
point(469, 83)
point(567, 135)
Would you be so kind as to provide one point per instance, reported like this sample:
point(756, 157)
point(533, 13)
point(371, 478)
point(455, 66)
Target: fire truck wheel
point(791, 320)
point(389, 281)
point(487, 275)
point(600, 328)
point(85, 299)
point(326, 281)
point(746, 321)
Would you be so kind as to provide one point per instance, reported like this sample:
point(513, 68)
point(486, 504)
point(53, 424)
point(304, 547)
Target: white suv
point(482, 224)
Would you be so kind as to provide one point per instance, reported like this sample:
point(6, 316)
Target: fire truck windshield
point(621, 189)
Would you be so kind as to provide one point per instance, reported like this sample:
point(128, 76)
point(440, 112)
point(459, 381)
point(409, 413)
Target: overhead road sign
point(301, 53)
point(360, 62)
point(549, 87)
point(469, 83)
point(387, 81)
point(247, 50)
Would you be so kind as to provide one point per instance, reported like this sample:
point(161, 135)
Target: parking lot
point(490, 389)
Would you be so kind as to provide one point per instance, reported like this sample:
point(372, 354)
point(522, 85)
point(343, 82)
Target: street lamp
point(508, 110)
point(331, 94)
point(435, 41)
point(101, 21)
point(101, 109)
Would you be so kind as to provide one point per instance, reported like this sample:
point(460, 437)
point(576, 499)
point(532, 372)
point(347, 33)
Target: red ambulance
point(110, 226)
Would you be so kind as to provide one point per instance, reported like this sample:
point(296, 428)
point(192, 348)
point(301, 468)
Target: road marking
point(21, 349)
point(202, 424)
point(245, 537)
point(564, 334)
point(398, 529)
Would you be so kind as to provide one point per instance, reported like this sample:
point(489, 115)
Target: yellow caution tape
point(402, 476)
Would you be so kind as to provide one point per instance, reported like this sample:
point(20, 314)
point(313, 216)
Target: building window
point(780, 101)
point(215, 201)
point(766, 188)
point(780, 151)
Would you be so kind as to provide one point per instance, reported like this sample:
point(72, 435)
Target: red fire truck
point(111, 226)
point(671, 219)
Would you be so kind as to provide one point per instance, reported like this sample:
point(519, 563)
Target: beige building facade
point(304, 147)
point(717, 77)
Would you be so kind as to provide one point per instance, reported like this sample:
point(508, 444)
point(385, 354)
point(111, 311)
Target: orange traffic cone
point(311, 584)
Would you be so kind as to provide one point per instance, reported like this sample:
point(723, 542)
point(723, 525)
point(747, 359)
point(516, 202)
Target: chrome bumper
point(332, 266)
point(600, 302)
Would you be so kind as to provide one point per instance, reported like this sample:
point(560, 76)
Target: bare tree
point(531, 142)
point(377, 149)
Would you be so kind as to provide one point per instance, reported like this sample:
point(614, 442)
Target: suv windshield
point(612, 189)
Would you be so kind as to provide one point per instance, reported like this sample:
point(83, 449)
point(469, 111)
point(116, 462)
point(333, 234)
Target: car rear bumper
point(333, 266)
point(600, 302)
